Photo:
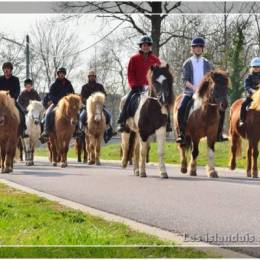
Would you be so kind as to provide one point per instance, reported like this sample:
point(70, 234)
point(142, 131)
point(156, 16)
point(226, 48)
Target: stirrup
point(121, 128)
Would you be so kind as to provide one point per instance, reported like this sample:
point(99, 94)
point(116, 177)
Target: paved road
point(196, 206)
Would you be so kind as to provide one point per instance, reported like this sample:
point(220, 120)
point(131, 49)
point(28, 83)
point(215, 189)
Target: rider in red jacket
point(138, 67)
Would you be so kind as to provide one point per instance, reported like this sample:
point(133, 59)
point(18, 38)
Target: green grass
point(222, 152)
point(27, 219)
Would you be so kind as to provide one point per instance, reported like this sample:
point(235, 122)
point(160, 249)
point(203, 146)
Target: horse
point(150, 118)
point(95, 126)
point(9, 130)
point(33, 123)
point(249, 131)
point(66, 117)
point(203, 119)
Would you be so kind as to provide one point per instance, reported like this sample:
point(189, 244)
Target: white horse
point(33, 123)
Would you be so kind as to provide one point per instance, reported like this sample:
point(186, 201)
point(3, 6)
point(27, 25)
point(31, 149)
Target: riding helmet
point(145, 39)
point(62, 70)
point(198, 41)
point(92, 72)
point(255, 62)
point(8, 65)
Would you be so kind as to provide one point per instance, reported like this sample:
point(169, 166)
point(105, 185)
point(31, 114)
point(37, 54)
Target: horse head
point(160, 81)
point(214, 88)
point(35, 111)
point(95, 104)
point(72, 105)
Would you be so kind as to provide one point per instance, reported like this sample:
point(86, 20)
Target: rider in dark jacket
point(11, 83)
point(59, 89)
point(87, 90)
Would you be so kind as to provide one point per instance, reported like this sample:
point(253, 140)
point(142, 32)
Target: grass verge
point(27, 219)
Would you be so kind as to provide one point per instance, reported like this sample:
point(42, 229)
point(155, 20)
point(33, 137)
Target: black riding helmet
point(63, 70)
point(145, 39)
point(7, 65)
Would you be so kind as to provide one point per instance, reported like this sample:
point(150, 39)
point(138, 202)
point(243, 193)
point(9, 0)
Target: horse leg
point(125, 147)
point(160, 137)
point(92, 150)
point(234, 149)
point(143, 152)
point(10, 153)
point(20, 149)
point(194, 155)
point(85, 153)
point(64, 148)
point(211, 163)
point(184, 162)
point(136, 156)
point(3, 155)
point(255, 156)
point(249, 158)
point(98, 144)
point(54, 152)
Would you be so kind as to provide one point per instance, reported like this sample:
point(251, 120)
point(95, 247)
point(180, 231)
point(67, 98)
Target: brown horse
point(203, 119)
point(66, 116)
point(249, 131)
point(9, 124)
point(96, 125)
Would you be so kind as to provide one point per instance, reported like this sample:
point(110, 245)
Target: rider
point(251, 85)
point(193, 70)
point(29, 93)
point(87, 90)
point(59, 89)
point(138, 67)
point(11, 83)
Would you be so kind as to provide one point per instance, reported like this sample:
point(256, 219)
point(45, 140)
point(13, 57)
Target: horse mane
point(66, 102)
point(35, 103)
point(255, 105)
point(204, 85)
point(8, 102)
point(96, 97)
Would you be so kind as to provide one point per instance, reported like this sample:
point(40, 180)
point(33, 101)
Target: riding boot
point(220, 137)
point(243, 111)
point(22, 126)
point(46, 127)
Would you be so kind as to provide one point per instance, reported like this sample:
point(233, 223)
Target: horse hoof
point(142, 175)
point(232, 166)
point(184, 170)
point(193, 173)
point(213, 174)
point(136, 172)
point(7, 170)
point(98, 163)
point(255, 174)
point(63, 165)
point(91, 163)
point(164, 175)
point(248, 174)
point(85, 161)
point(54, 164)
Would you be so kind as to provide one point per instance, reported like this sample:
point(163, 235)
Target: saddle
point(133, 103)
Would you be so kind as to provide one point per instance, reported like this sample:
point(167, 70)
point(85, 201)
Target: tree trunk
point(156, 21)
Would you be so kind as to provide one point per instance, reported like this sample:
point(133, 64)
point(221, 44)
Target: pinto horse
point(249, 131)
point(151, 117)
point(95, 126)
point(203, 119)
point(33, 123)
point(9, 124)
point(66, 116)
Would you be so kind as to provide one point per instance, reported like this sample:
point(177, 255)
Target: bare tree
point(155, 12)
point(54, 46)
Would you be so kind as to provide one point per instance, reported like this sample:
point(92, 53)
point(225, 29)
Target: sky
point(88, 28)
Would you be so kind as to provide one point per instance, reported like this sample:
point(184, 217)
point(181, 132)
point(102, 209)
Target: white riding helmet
point(92, 72)
point(255, 62)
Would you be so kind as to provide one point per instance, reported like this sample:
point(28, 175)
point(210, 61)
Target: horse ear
point(167, 66)
point(8, 93)
point(30, 101)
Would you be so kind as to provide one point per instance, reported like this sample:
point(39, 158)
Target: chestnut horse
point(203, 119)
point(150, 118)
point(249, 131)
point(66, 116)
point(9, 124)
point(95, 127)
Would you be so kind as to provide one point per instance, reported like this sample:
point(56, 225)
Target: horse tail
point(131, 146)
point(239, 146)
